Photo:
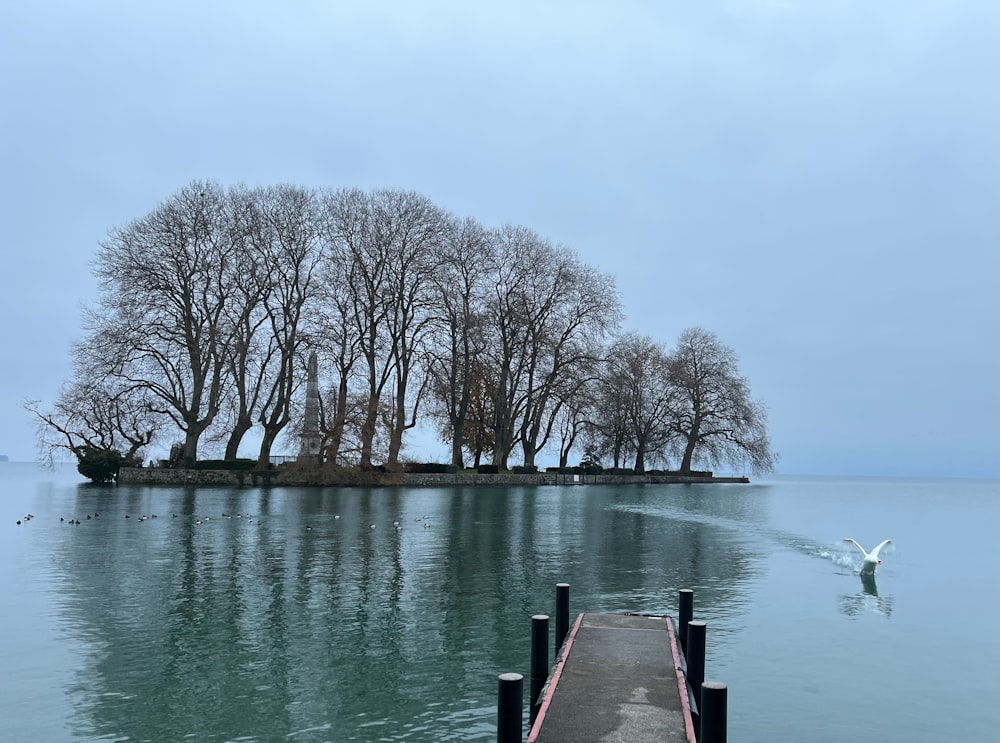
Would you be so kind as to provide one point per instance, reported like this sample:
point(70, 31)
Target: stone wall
point(157, 476)
point(551, 478)
point(164, 476)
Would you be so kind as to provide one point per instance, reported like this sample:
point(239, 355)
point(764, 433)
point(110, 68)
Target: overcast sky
point(816, 182)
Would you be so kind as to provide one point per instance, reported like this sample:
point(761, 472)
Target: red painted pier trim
point(550, 687)
point(681, 683)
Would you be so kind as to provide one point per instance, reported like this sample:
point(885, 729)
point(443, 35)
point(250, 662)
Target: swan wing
point(879, 548)
point(863, 552)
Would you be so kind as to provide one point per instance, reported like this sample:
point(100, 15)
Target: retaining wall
point(282, 476)
point(163, 476)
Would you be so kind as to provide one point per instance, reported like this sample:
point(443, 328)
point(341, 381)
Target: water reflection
point(261, 614)
point(698, 539)
point(868, 601)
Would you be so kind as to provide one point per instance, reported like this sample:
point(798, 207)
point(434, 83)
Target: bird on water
point(871, 559)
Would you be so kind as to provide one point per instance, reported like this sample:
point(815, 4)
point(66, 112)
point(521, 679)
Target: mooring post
point(510, 707)
point(696, 659)
point(685, 613)
point(539, 660)
point(713, 712)
point(562, 614)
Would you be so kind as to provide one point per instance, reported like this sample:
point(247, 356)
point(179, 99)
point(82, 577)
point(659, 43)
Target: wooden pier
point(618, 678)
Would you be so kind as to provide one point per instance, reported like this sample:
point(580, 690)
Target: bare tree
point(477, 430)
point(159, 322)
point(411, 229)
point(548, 314)
point(90, 415)
point(390, 240)
point(285, 238)
point(715, 418)
point(506, 356)
point(351, 231)
point(466, 249)
point(636, 383)
point(579, 308)
point(574, 416)
point(339, 349)
point(248, 355)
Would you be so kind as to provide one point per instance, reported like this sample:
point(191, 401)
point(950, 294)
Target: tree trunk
point(264, 457)
point(190, 454)
point(529, 454)
point(692, 443)
point(339, 422)
point(461, 413)
point(640, 460)
point(368, 433)
point(395, 445)
point(335, 437)
point(396, 435)
point(457, 455)
point(566, 448)
point(240, 428)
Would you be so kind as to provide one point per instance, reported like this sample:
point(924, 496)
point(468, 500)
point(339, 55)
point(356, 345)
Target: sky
point(818, 183)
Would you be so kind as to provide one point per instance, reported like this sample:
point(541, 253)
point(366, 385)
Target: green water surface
point(308, 615)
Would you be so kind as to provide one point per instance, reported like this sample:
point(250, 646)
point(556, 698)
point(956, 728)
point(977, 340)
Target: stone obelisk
point(310, 438)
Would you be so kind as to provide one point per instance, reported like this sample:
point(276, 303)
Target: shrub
point(619, 471)
point(430, 468)
point(488, 469)
point(99, 465)
point(528, 469)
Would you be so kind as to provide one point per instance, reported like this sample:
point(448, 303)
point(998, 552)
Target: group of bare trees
point(686, 405)
point(210, 304)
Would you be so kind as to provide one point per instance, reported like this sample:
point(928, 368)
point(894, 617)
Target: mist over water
point(368, 615)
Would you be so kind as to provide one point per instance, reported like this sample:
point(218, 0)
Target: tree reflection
point(301, 619)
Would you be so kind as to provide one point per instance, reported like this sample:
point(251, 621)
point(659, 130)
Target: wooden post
point(685, 613)
point(696, 659)
point(539, 660)
point(562, 614)
point(510, 707)
point(714, 705)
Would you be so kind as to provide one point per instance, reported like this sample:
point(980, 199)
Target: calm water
point(258, 628)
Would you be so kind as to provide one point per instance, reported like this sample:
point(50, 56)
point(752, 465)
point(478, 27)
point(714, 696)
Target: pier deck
point(617, 679)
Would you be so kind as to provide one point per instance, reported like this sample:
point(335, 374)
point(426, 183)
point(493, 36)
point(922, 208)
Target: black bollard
point(539, 660)
point(685, 613)
point(562, 614)
point(696, 659)
point(713, 712)
point(509, 707)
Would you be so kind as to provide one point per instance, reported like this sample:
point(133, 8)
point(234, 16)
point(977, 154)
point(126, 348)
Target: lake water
point(293, 619)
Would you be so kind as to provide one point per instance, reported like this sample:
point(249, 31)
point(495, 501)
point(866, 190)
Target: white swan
point(871, 558)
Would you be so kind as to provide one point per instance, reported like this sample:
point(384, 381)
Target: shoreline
point(289, 477)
